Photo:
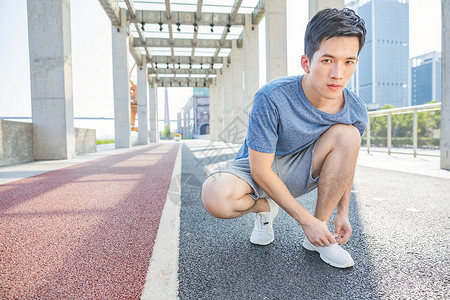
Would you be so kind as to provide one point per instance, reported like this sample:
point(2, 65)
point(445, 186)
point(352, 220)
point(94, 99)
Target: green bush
point(107, 141)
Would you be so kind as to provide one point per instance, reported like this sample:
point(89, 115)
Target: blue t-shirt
point(283, 121)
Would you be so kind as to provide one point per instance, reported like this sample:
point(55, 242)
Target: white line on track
point(162, 275)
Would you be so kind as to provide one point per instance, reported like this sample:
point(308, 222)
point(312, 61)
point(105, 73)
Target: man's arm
point(261, 169)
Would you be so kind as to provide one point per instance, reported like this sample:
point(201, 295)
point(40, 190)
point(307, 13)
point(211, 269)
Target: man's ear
point(305, 63)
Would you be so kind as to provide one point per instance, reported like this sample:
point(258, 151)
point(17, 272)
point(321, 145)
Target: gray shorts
point(295, 170)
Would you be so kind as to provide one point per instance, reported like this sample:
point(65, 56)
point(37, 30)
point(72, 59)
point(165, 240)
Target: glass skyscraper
point(381, 75)
point(426, 78)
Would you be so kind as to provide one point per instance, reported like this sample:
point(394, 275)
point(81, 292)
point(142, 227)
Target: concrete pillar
point(122, 118)
point(142, 102)
point(276, 39)
point(179, 125)
point(238, 127)
point(219, 105)
point(215, 125)
point(317, 5)
point(445, 87)
point(51, 79)
point(227, 102)
point(185, 123)
point(154, 125)
point(251, 65)
point(212, 110)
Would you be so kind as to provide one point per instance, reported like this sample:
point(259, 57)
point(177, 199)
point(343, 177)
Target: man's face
point(332, 66)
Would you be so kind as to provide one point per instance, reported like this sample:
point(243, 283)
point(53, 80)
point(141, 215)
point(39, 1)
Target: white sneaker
point(263, 231)
point(334, 255)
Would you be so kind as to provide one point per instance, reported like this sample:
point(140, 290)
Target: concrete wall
point(16, 142)
point(85, 140)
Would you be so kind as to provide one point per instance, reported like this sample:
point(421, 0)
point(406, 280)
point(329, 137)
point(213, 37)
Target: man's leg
point(226, 196)
point(335, 159)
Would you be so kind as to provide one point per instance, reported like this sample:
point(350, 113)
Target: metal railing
point(398, 129)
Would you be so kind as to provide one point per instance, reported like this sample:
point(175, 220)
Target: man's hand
point(318, 234)
point(343, 229)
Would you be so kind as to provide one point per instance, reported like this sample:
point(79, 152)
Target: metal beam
point(112, 9)
point(240, 40)
point(198, 17)
point(232, 17)
point(188, 18)
point(258, 12)
point(131, 9)
point(169, 25)
point(185, 43)
point(150, 79)
point(186, 71)
point(133, 51)
point(184, 82)
point(132, 14)
point(184, 60)
point(142, 41)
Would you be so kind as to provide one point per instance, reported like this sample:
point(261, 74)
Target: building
point(425, 78)
point(193, 119)
point(381, 75)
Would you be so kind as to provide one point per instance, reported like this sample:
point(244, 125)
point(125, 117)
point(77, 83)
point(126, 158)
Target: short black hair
point(332, 22)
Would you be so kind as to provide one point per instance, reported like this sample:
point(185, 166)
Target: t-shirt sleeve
point(359, 113)
point(262, 133)
point(361, 123)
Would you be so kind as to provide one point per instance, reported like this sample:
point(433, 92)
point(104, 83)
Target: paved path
point(400, 242)
point(88, 231)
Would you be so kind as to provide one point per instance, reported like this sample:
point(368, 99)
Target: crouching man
point(304, 133)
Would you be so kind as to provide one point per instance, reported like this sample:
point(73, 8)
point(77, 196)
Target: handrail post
point(415, 133)
point(389, 132)
point(368, 136)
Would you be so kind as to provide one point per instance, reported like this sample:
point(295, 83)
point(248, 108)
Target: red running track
point(84, 232)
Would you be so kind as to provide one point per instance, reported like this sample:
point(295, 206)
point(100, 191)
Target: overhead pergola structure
point(194, 43)
point(184, 42)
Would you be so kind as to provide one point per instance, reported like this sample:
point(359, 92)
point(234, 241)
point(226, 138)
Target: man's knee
point(217, 197)
point(345, 136)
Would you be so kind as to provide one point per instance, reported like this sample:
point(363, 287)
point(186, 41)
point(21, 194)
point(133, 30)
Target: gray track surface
point(401, 233)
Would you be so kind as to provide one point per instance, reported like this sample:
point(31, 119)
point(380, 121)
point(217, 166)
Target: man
point(304, 132)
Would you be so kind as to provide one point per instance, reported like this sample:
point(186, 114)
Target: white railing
point(397, 111)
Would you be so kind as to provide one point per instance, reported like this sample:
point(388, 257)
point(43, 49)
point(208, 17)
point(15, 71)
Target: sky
point(92, 54)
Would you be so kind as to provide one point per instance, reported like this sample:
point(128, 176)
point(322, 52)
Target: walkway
point(88, 232)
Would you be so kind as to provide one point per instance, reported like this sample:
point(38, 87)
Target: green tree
point(402, 124)
point(378, 124)
point(166, 132)
point(427, 121)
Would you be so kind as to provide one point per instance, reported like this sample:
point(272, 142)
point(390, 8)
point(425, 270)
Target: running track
point(84, 232)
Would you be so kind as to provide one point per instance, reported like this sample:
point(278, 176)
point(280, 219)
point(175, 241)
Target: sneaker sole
point(331, 263)
point(263, 243)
